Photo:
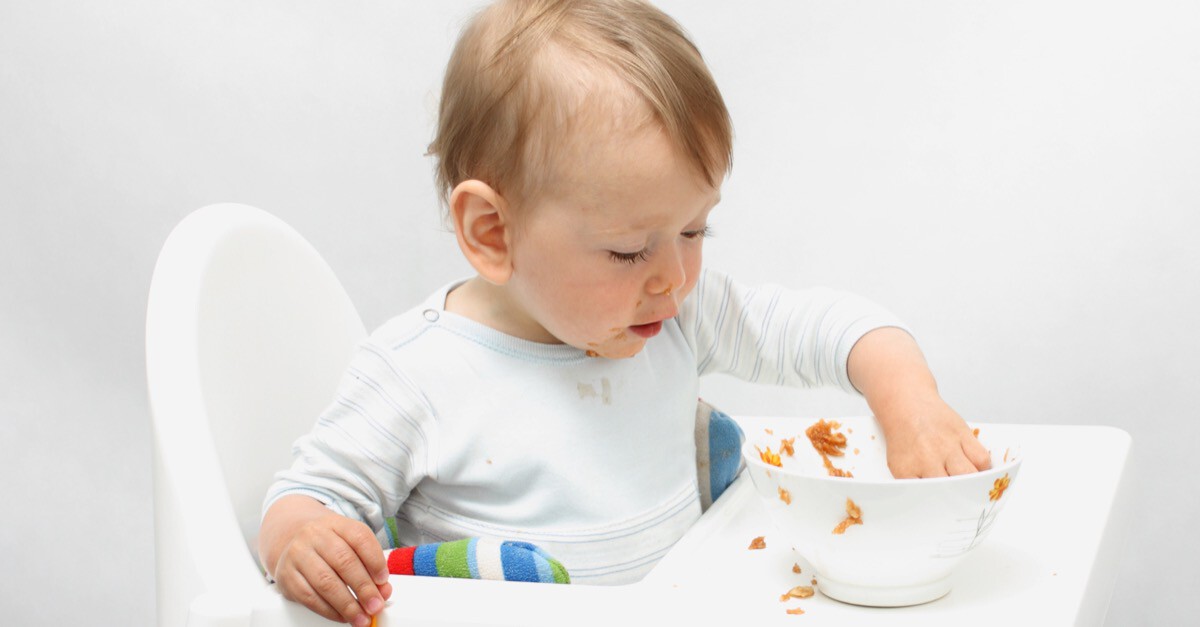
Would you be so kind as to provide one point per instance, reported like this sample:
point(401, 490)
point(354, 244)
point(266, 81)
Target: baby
point(551, 398)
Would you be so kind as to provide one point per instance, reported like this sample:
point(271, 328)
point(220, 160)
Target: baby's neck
point(492, 305)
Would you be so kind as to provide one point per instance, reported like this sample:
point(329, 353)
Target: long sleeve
point(369, 449)
point(770, 334)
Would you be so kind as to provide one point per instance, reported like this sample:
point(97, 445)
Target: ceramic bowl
point(873, 539)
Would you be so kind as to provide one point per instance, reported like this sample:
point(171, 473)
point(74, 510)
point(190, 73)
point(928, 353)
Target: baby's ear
point(481, 223)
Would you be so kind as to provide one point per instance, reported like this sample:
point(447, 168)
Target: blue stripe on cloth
point(724, 452)
point(544, 574)
point(517, 561)
point(425, 560)
point(472, 561)
point(540, 551)
point(718, 327)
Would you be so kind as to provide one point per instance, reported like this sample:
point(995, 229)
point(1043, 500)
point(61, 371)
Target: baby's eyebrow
point(622, 231)
point(645, 225)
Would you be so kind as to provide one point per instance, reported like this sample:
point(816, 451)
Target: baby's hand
point(932, 440)
point(326, 559)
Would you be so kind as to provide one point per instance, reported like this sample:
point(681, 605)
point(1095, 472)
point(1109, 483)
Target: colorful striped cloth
point(478, 558)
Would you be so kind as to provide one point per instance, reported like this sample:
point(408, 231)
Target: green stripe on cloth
point(451, 559)
point(392, 531)
point(560, 572)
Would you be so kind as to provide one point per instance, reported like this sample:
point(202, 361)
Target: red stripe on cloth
point(400, 561)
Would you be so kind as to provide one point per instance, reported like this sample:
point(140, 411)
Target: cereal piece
point(769, 457)
point(796, 568)
point(374, 623)
point(853, 517)
point(799, 592)
point(592, 353)
point(856, 451)
point(846, 524)
point(785, 496)
point(795, 611)
point(814, 581)
point(998, 488)
point(975, 432)
point(828, 444)
point(758, 543)
point(785, 446)
point(823, 438)
point(769, 432)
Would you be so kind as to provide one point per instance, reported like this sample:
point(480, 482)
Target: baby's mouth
point(648, 330)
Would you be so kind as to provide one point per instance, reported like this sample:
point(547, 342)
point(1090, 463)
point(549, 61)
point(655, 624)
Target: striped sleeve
point(774, 335)
point(370, 447)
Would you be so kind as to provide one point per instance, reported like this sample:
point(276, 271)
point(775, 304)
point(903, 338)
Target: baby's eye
point(635, 257)
point(698, 233)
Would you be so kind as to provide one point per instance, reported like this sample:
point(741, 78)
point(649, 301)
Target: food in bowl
point(828, 442)
point(873, 539)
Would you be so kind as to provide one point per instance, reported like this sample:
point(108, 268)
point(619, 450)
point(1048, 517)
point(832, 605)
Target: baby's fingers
point(359, 537)
point(976, 453)
point(343, 568)
point(959, 465)
point(365, 568)
point(332, 589)
point(295, 588)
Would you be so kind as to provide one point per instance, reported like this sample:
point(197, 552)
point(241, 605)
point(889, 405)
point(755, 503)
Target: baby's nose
point(670, 274)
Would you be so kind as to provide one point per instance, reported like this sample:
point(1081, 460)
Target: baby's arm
point(317, 557)
point(925, 437)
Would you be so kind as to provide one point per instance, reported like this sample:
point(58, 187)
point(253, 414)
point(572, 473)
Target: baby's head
point(581, 145)
point(531, 83)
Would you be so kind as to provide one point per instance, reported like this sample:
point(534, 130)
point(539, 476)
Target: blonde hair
point(526, 72)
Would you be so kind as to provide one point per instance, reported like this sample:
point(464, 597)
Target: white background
point(1017, 180)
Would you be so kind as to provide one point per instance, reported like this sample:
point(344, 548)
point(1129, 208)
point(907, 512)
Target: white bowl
point(913, 531)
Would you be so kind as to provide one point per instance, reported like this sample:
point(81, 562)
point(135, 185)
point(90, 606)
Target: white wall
point(1016, 179)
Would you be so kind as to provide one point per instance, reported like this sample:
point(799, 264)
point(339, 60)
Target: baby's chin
point(623, 350)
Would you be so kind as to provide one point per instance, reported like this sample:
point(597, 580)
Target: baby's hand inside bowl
point(935, 443)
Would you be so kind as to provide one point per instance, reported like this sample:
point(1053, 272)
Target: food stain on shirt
point(587, 390)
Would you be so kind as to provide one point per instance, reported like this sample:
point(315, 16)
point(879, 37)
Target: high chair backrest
point(248, 332)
